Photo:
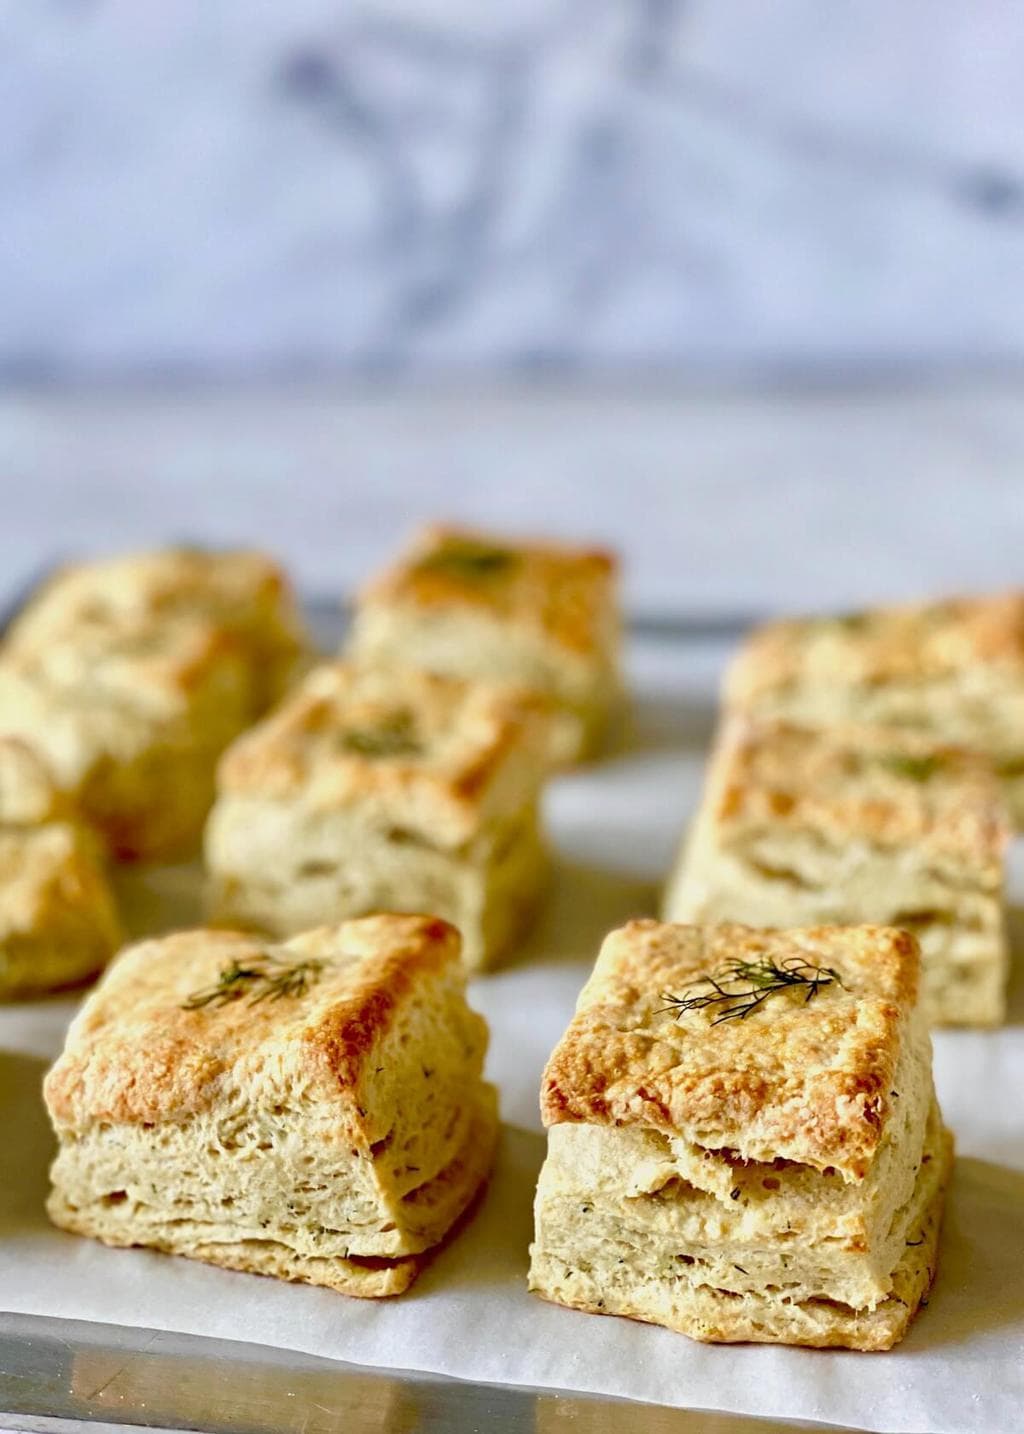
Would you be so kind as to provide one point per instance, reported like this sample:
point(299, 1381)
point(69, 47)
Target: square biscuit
point(953, 669)
point(743, 1138)
point(312, 1110)
point(472, 605)
point(29, 796)
point(58, 922)
point(802, 827)
point(375, 790)
point(244, 595)
point(131, 723)
point(805, 1081)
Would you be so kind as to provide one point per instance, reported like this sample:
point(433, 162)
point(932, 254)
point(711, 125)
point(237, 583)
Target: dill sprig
point(391, 736)
point(464, 558)
point(915, 769)
point(268, 978)
point(742, 987)
point(851, 621)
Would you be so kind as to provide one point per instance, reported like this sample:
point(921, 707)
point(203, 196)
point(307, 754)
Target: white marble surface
point(249, 188)
point(727, 502)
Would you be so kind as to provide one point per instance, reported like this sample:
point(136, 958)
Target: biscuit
point(58, 923)
point(799, 827)
point(471, 605)
point(312, 1110)
point(132, 727)
point(953, 669)
point(28, 794)
point(243, 595)
point(131, 675)
point(375, 790)
point(773, 1176)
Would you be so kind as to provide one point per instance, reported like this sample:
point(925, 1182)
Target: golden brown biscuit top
point(433, 755)
point(808, 1080)
point(237, 589)
point(143, 665)
point(892, 788)
point(46, 872)
point(914, 642)
point(28, 793)
point(199, 1020)
point(565, 594)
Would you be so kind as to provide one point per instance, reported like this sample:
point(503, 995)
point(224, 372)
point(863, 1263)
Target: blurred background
point(738, 288)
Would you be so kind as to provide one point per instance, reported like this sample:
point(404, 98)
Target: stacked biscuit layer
point(540, 616)
point(953, 670)
point(376, 789)
point(801, 827)
point(131, 675)
point(773, 1178)
point(58, 924)
point(313, 1110)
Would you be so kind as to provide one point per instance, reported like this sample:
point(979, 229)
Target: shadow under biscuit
point(156, 899)
point(528, 1002)
point(29, 1145)
point(980, 1284)
point(1015, 989)
point(658, 722)
point(583, 903)
point(490, 1244)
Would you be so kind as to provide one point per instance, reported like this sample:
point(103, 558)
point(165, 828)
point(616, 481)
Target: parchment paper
point(961, 1367)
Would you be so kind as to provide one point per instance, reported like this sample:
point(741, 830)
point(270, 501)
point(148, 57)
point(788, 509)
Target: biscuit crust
point(276, 868)
point(557, 591)
point(805, 1082)
point(132, 729)
point(915, 642)
point(954, 669)
point(890, 789)
point(58, 922)
point(376, 790)
point(767, 1172)
point(719, 1316)
point(541, 616)
point(135, 1054)
point(223, 1244)
point(799, 826)
point(245, 595)
point(313, 1109)
point(131, 675)
point(435, 756)
point(28, 794)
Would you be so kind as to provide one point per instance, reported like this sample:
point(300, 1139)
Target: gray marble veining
point(399, 187)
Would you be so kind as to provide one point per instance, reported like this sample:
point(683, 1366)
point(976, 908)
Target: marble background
point(384, 186)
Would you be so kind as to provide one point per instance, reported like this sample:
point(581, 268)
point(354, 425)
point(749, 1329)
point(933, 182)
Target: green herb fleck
point(850, 621)
point(737, 990)
point(915, 769)
point(466, 559)
point(265, 979)
point(393, 736)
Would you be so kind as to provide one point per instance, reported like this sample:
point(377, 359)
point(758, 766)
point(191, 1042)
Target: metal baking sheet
point(56, 1374)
